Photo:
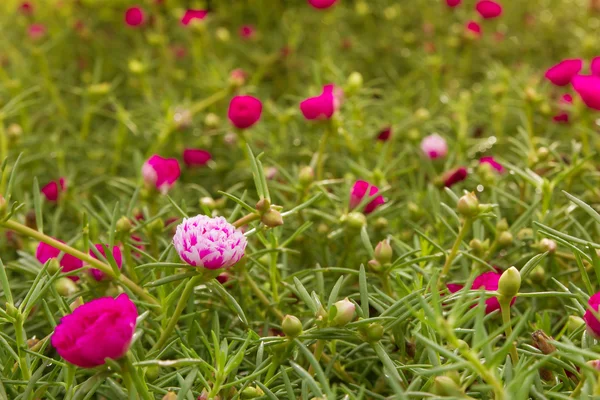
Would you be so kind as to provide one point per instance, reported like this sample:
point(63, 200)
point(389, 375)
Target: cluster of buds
point(469, 207)
point(503, 235)
point(269, 214)
point(382, 256)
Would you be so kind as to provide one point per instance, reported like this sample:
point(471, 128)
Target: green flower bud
point(208, 202)
point(170, 396)
point(543, 153)
point(222, 34)
point(505, 239)
point(306, 176)
point(422, 114)
point(263, 205)
point(291, 326)
point(65, 287)
point(525, 234)
point(502, 225)
point(356, 220)
point(272, 218)
point(53, 266)
point(136, 67)
point(152, 372)
point(342, 312)
point(355, 82)
point(509, 283)
point(446, 386)
point(98, 89)
point(476, 246)
point(212, 120)
point(372, 333)
point(468, 205)
point(14, 131)
point(156, 226)
point(383, 252)
point(538, 274)
point(252, 393)
point(381, 223)
point(548, 245)
point(124, 225)
point(574, 323)
point(375, 266)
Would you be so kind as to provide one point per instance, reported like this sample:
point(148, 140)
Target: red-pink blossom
point(192, 15)
point(596, 66)
point(244, 111)
point(592, 322)
point(36, 31)
point(324, 105)
point(384, 134)
point(161, 172)
point(492, 162)
point(134, 16)
point(26, 8)
point(489, 281)
point(67, 263)
point(322, 4)
point(588, 88)
point(196, 157)
point(434, 146)
point(454, 176)
point(453, 3)
point(488, 9)
point(562, 73)
point(359, 191)
point(247, 31)
point(473, 28)
point(53, 189)
point(238, 77)
point(116, 252)
point(563, 117)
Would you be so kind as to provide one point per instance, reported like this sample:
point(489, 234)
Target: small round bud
point(323, 229)
point(548, 245)
point(525, 234)
point(356, 220)
point(252, 393)
point(306, 176)
point(53, 266)
point(355, 82)
point(342, 312)
point(446, 386)
point(381, 223)
point(182, 118)
point(477, 246)
point(502, 225)
point(136, 67)
point(272, 218)
point(505, 239)
point(468, 205)
point(237, 77)
point(532, 95)
point(543, 153)
point(65, 287)
point(222, 34)
point(372, 333)
point(212, 120)
point(509, 283)
point(124, 225)
point(170, 396)
point(538, 274)
point(291, 326)
point(375, 266)
point(422, 114)
point(574, 322)
point(14, 131)
point(263, 205)
point(208, 202)
point(98, 89)
point(151, 373)
point(383, 252)
point(156, 226)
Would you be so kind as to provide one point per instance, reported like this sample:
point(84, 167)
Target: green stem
point(319, 347)
point(246, 219)
point(321, 153)
point(21, 339)
point(132, 376)
point(461, 235)
point(65, 248)
point(505, 308)
point(260, 295)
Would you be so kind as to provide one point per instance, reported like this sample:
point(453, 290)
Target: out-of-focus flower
point(196, 157)
point(192, 15)
point(384, 134)
point(116, 252)
point(588, 88)
point(324, 105)
point(359, 191)
point(161, 172)
point(52, 190)
point(492, 162)
point(562, 73)
point(434, 146)
point(489, 281)
point(68, 262)
point(488, 9)
point(36, 31)
point(322, 4)
point(563, 117)
point(26, 8)
point(454, 176)
point(244, 111)
point(592, 322)
point(247, 32)
point(453, 3)
point(134, 16)
point(473, 29)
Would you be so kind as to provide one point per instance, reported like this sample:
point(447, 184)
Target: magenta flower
point(563, 117)
point(324, 105)
point(26, 8)
point(454, 287)
point(192, 15)
point(359, 191)
point(596, 66)
point(68, 263)
point(247, 32)
point(134, 16)
point(384, 134)
point(492, 162)
point(453, 3)
point(588, 88)
point(116, 252)
point(592, 322)
point(210, 243)
point(434, 146)
point(161, 172)
point(562, 73)
point(488, 9)
point(473, 28)
point(102, 328)
point(196, 157)
point(244, 111)
point(322, 4)
point(53, 189)
point(454, 176)
point(36, 31)
point(489, 282)
point(238, 76)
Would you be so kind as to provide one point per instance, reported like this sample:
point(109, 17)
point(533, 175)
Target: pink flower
point(321, 4)
point(53, 189)
point(26, 8)
point(68, 263)
point(563, 117)
point(136, 242)
point(588, 88)
point(102, 328)
point(596, 66)
point(134, 16)
point(359, 191)
point(592, 322)
point(434, 146)
point(454, 176)
point(492, 162)
point(116, 252)
point(489, 282)
point(488, 9)
point(244, 111)
point(324, 105)
point(562, 73)
point(192, 15)
point(473, 28)
point(161, 172)
point(238, 77)
point(247, 31)
point(36, 31)
point(384, 134)
point(207, 242)
point(454, 287)
point(453, 3)
point(196, 157)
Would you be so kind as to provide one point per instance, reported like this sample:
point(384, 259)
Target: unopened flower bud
point(422, 114)
point(538, 274)
point(53, 266)
point(502, 225)
point(355, 82)
point(272, 218)
point(136, 67)
point(124, 225)
point(356, 220)
point(151, 372)
point(383, 252)
point(212, 120)
point(548, 245)
point(30, 220)
point(156, 226)
point(263, 205)
point(525, 234)
point(222, 34)
point(98, 89)
point(65, 287)
point(381, 223)
point(306, 176)
point(32, 342)
point(170, 396)
point(182, 118)
point(468, 205)
point(509, 283)
point(375, 266)
point(446, 386)
point(505, 239)
point(342, 312)
point(543, 153)
point(372, 333)
point(542, 342)
point(76, 303)
point(208, 202)
point(252, 392)
point(291, 326)
point(574, 322)
point(476, 246)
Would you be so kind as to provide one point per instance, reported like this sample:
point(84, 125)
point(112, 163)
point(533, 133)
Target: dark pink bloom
point(102, 328)
point(193, 15)
point(453, 3)
point(26, 8)
point(324, 105)
point(385, 134)
point(178, 51)
point(116, 252)
point(592, 322)
point(596, 66)
point(434, 146)
point(53, 189)
point(68, 263)
point(588, 88)
point(224, 277)
point(134, 16)
point(454, 176)
point(454, 287)
point(489, 282)
point(244, 111)
point(196, 157)
point(563, 117)
point(562, 73)
point(247, 31)
point(492, 162)
point(473, 28)
point(321, 4)
point(138, 244)
point(161, 172)
point(36, 31)
point(359, 191)
point(238, 76)
point(488, 9)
